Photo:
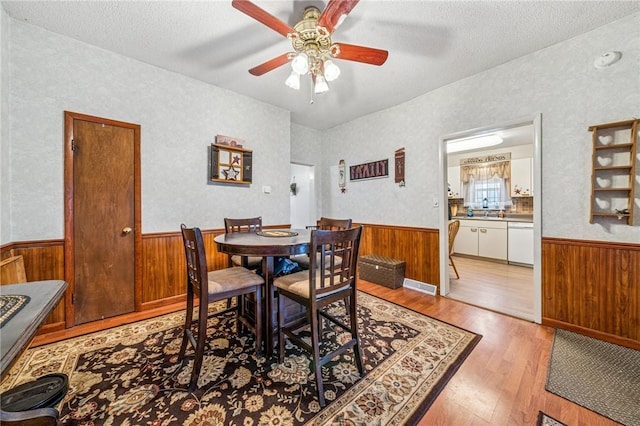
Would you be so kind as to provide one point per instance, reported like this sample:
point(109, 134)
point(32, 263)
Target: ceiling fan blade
point(335, 12)
point(367, 55)
point(262, 16)
point(270, 65)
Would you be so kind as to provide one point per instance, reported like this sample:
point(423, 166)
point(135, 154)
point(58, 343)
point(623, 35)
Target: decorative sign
point(230, 162)
point(400, 166)
point(506, 156)
point(230, 141)
point(342, 176)
point(374, 169)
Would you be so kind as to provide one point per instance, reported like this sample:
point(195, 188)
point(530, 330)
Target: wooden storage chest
point(382, 270)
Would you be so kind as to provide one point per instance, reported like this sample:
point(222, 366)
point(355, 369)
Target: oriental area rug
point(130, 375)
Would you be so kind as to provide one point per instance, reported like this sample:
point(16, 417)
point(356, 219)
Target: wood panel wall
point(592, 288)
point(418, 247)
point(43, 260)
point(589, 287)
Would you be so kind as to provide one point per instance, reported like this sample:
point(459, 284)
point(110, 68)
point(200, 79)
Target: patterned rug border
point(410, 413)
point(414, 419)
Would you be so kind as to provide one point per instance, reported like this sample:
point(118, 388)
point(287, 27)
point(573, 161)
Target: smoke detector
point(607, 59)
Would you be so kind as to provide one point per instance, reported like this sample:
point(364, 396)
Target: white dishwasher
point(520, 243)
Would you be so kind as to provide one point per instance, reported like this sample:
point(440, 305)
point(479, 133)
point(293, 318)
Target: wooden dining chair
point(325, 283)
point(454, 226)
point(326, 224)
point(252, 224)
point(211, 287)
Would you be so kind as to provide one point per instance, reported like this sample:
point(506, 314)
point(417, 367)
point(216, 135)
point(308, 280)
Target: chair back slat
point(330, 224)
point(252, 224)
point(454, 226)
point(196, 257)
point(335, 269)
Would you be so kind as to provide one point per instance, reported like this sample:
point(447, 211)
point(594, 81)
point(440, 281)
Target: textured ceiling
point(430, 43)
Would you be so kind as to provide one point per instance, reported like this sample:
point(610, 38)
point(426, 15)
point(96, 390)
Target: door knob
point(126, 230)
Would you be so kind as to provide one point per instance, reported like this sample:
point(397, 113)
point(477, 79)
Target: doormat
point(597, 375)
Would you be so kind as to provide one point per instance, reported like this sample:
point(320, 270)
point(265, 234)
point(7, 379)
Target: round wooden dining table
point(268, 244)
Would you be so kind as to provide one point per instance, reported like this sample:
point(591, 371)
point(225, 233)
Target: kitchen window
point(486, 185)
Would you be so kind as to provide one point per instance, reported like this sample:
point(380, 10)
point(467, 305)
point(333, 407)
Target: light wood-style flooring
point(496, 286)
point(502, 381)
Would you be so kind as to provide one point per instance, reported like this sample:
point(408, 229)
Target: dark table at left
point(17, 333)
point(267, 247)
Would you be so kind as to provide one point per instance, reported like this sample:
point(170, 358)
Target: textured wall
point(5, 181)
point(559, 82)
point(179, 117)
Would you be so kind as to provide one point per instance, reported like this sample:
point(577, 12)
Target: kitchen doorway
point(302, 198)
point(489, 277)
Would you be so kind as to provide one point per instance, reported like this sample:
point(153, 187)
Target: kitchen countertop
point(507, 218)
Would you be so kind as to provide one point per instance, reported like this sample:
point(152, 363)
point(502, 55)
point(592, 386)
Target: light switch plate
point(266, 189)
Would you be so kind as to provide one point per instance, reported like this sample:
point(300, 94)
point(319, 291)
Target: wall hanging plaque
point(230, 161)
point(342, 176)
point(399, 156)
point(372, 170)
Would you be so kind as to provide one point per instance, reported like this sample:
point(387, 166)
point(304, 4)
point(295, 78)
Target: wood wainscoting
point(418, 247)
point(592, 288)
point(163, 268)
point(589, 287)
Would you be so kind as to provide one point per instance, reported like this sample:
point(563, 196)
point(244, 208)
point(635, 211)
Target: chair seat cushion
point(303, 260)
point(252, 262)
point(232, 279)
point(298, 283)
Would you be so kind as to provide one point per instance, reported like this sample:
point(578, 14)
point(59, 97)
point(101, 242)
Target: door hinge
point(73, 298)
point(74, 146)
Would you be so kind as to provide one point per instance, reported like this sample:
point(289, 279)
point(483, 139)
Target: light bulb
point(320, 85)
point(293, 80)
point(331, 70)
point(300, 63)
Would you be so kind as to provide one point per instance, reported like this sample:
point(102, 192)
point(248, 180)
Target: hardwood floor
point(502, 381)
point(496, 286)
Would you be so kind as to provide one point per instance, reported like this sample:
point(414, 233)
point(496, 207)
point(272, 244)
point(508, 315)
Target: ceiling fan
point(312, 45)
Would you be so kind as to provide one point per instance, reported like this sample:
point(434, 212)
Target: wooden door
point(102, 226)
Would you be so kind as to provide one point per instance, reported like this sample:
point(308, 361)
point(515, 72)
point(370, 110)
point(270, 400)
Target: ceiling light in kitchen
point(473, 142)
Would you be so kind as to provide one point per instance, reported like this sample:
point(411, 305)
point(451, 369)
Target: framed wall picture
point(231, 164)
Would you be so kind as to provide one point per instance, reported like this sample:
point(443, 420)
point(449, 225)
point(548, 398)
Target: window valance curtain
point(486, 171)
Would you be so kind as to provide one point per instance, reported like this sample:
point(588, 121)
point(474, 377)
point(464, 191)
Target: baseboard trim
point(606, 337)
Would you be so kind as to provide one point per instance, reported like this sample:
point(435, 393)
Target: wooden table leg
point(269, 326)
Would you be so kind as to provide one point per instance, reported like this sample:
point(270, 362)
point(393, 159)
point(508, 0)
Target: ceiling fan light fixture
point(331, 70)
point(293, 80)
point(300, 63)
point(320, 84)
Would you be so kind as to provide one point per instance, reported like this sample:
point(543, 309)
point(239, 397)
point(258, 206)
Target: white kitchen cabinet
point(521, 175)
point(466, 241)
point(453, 178)
point(484, 238)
